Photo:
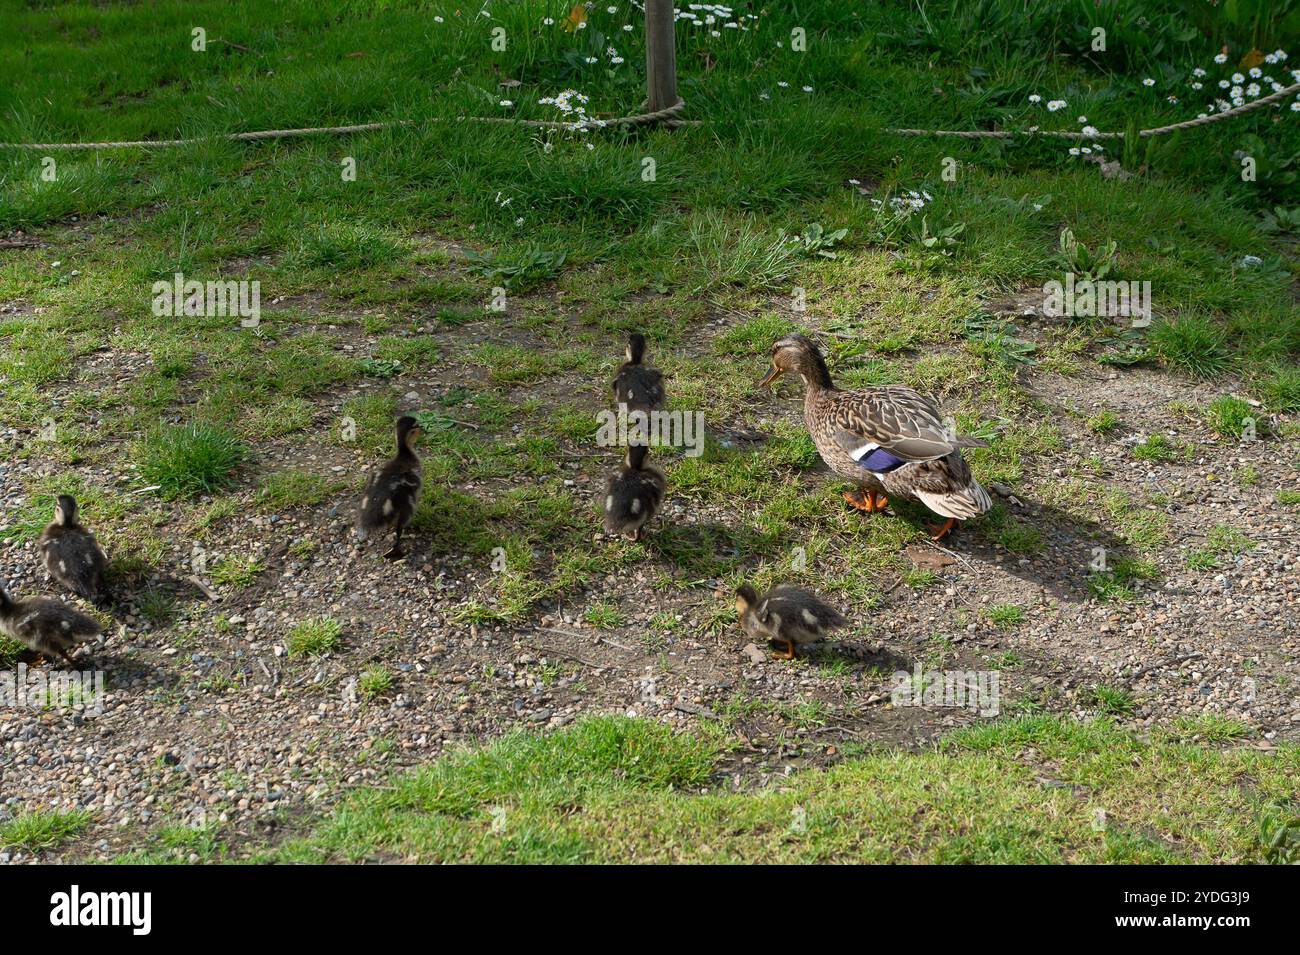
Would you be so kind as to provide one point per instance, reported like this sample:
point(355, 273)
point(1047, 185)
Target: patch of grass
point(1116, 582)
point(1212, 728)
point(1279, 388)
point(10, 651)
point(236, 572)
point(408, 353)
point(920, 579)
point(622, 790)
point(342, 246)
point(42, 829)
point(1111, 700)
point(754, 336)
point(604, 615)
point(374, 682)
point(1287, 498)
point(369, 423)
point(178, 845)
point(1223, 539)
point(315, 637)
point(1230, 417)
point(1279, 838)
point(285, 489)
point(723, 251)
point(512, 365)
point(1155, 448)
point(1016, 536)
point(1006, 616)
point(1007, 660)
point(157, 606)
point(519, 268)
point(189, 460)
point(1192, 344)
point(1104, 422)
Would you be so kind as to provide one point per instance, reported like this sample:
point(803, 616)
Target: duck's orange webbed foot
point(939, 533)
point(870, 502)
point(788, 654)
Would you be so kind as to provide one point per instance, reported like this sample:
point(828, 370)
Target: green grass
point(42, 829)
point(10, 651)
point(620, 790)
point(1006, 616)
point(1192, 344)
point(287, 489)
point(1104, 422)
point(374, 682)
point(1232, 417)
point(188, 460)
point(1211, 728)
point(1117, 582)
point(1110, 700)
point(236, 572)
point(1226, 540)
point(1156, 448)
point(178, 845)
point(314, 638)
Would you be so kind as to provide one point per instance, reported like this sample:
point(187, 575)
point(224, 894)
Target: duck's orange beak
point(772, 376)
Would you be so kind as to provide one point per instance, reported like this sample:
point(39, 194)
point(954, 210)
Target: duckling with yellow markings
point(392, 492)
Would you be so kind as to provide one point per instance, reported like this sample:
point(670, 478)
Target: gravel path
point(209, 721)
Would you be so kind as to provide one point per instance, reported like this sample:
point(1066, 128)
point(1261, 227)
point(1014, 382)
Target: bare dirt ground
point(209, 721)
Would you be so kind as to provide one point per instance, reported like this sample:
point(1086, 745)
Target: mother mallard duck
point(888, 440)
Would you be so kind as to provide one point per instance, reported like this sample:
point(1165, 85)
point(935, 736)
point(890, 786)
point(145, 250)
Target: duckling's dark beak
point(772, 376)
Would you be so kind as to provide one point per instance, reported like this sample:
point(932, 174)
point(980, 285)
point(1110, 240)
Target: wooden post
point(660, 55)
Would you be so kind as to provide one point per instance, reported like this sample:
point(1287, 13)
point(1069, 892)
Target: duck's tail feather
point(970, 501)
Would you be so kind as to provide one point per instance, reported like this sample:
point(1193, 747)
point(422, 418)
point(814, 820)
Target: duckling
point(786, 614)
point(71, 555)
point(637, 385)
point(393, 491)
point(633, 494)
point(47, 626)
point(888, 440)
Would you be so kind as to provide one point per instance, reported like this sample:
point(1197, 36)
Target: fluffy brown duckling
point(633, 494)
point(636, 384)
point(49, 627)
point(787, 615)
point(71, 554)
point(392, 492)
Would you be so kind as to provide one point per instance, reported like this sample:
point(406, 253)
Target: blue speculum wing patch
point(880, 461)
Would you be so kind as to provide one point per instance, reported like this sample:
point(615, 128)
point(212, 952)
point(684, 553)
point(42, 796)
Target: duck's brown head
point(798, 354)
point(408, 432)
point(635, 350)
point(65, 511)
point(746, 597)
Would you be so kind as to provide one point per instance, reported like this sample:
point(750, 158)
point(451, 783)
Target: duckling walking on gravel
point(71, 554)
point(787, 615)
point(633, 494)
point(637, 385)
point(392, 493)
point(49, 627)
point(888, 440)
